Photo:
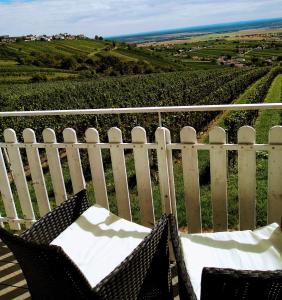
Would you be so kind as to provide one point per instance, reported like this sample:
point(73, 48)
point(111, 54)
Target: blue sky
point(116, 17)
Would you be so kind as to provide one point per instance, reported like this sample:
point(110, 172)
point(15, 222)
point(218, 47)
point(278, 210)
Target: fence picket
point(36, 172)
point(191, 179)
point(74, 161)
point(218, 169)
point(119, 172)
point(55, 167)
point(18, 173)
point(143, 177)
point(7, 195)
point(97, 168)
point(163, 170)
point(247, 178)
point(171, 174)
point(274, 176)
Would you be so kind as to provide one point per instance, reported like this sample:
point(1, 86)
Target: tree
point(68, 63)
point(38, 78)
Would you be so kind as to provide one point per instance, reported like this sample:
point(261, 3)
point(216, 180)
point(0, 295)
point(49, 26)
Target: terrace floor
point(13, 284)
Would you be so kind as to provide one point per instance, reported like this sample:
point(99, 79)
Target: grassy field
point(267, 119)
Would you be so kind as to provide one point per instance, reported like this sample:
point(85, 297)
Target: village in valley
point(43, 38)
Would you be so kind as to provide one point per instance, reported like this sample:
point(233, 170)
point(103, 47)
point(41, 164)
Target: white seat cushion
point(260, 249)
point(98, 241)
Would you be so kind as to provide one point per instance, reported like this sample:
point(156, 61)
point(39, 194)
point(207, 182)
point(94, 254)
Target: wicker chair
point(51, 274)
point(225, 283)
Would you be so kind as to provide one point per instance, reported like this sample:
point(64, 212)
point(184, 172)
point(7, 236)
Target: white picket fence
point(12, 169)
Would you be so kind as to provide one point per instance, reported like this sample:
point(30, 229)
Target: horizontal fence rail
point(142, 110)
point(24, 199)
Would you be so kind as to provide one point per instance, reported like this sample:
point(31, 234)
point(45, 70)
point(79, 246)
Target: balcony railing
point(16, 158)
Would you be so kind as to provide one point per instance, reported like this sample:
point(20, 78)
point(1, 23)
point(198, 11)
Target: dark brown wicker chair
point(226, 284)
point(50, 274)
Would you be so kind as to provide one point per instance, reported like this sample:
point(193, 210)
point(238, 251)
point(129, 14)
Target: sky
point(117, 17)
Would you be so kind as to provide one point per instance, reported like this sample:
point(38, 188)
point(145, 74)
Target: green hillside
point(60, 59)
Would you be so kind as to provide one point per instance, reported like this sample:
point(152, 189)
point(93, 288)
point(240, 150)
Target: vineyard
point(180, 88)
point(249, 85)
point(24, 62)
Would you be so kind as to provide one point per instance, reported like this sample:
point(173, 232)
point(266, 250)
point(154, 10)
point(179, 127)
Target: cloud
point(112, 17)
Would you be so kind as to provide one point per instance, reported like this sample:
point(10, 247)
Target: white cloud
point(112, 17)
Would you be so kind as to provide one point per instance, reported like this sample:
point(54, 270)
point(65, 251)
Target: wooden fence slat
point(55, 167)
point(119, 173)
point(275, 176)
point(143, 177)
point(163, 170)
point(247, 178)
point(191, 179)
point(74, 161)
point(7, 195)
point(171, 174)
point(97, 168)
point(218, 169)
point(18, 173)
point(36, 172)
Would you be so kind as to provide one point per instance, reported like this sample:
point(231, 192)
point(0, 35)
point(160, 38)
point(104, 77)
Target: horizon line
point(180, 29)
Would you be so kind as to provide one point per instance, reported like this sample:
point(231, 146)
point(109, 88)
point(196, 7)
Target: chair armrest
point(222, 283)
point(186, 290)
point(46, 229)
point(145, 273)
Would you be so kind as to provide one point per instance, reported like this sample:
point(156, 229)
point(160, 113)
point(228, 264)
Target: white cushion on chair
point(98, 241)
point(260, 249)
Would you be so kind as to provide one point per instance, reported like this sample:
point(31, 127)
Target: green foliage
point(237, 118)
point(167, 89)
point(38, 78)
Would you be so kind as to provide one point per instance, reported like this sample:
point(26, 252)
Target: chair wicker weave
point(223, 284)
point(50, 274)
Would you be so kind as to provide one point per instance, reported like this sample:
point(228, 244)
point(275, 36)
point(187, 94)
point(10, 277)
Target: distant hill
point(83, 57)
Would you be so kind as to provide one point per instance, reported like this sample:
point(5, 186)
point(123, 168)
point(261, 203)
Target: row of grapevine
point(237, 118)
point(179, 88)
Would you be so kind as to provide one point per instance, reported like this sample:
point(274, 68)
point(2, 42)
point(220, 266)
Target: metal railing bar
point(138, 110)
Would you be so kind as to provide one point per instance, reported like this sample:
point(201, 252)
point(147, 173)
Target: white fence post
point(163, 170)
point(275, 176)
point(19, 175)
point(74, 161)
point(191, 179)
point(7, 195)
point(97, 168)
point(119, 172)
point(218, 168)
point(36, 172)
point(55, 167)
point(171, 173)
point(143, 177)
point(247, 178)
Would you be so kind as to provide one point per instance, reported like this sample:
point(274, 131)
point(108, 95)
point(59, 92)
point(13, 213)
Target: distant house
point(80, 36)
point(7, 39)
point(59, 37)
point(44, 38)
point(30, 38)
point(4, 37)
point(241, 60)
point(222, 60)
